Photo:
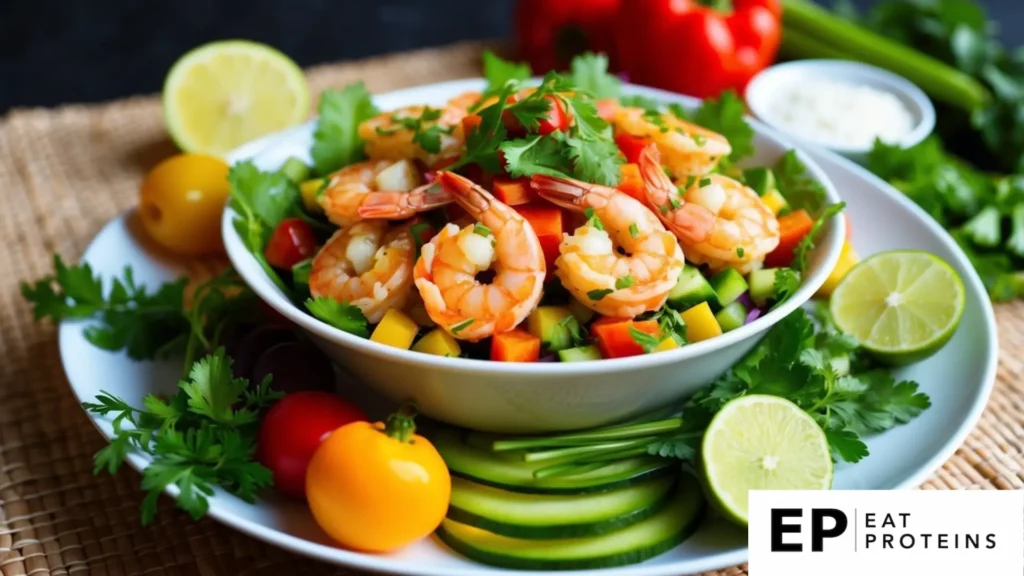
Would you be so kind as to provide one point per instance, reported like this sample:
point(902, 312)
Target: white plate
point(958, 380)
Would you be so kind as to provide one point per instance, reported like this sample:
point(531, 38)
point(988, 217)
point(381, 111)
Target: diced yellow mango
point(774, 201)
point(395, 329)
point(700, 323)
point(309, 190)
point(580, 311)
point(848, 258)
point(545, 320)
point(439, 343)
point(666, 344)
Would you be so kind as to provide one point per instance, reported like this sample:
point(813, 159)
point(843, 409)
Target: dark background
point(56, 51)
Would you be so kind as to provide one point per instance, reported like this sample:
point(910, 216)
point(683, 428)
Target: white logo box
point(887, 532)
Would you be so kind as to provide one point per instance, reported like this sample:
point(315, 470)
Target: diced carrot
point(513, 192)
point(631, 182)
point(614, 338)
point(631, 146)
point(792, 229)
point(515, 346)
point(471, 121)
point(546, 220)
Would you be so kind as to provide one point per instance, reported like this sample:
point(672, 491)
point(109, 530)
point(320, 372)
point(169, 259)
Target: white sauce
point(841, 114)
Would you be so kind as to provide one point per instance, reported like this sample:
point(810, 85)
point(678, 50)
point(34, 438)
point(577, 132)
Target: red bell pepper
point(631, 146)
point(551, 32)
point(697, 47)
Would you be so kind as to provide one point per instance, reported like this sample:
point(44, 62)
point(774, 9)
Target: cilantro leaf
point(483, 141)
point(213, 391)
point(646, 341)
point(801, 191)
point(336, 140)
point(589, 72)
point(341, 315)
point(498, 72)
point(596, 161)
point(807, 242)
point(536, 155)
point(724, 115)
point(846, 445)
point(787, 282)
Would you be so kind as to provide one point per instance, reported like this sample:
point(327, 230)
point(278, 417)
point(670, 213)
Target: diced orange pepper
point(632, 183)
point(546, 220)
point(792, 229)
point(614, 338)
point(513, 192)
point(471, 121)
point(606, 108)
point(515, 346)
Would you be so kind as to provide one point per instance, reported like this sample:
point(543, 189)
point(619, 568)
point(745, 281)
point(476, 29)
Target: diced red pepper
point(615, 340)
point(292, 242)
point(631, 146)
point(556, 119)
point(792, 229)
point(631, 182)
point(515, 346)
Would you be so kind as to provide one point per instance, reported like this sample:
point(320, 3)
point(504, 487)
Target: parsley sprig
point(802, 359)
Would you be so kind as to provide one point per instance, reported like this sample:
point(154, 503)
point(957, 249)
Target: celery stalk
point(810, 31)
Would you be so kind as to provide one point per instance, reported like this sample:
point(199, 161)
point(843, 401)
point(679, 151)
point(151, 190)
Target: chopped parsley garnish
point(481, 230)
point(596, 295)
point(699, 140)
point(739, 252)
point(675, 203)
point(646, 341)
point(592, 219)
point(705, 182)
point(461, 326)
point(624, 282)
point(634, 231)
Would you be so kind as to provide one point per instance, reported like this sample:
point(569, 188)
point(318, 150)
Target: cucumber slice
point(296, 170)
point(507, 469)
point(535, 516)
point(580, 311)
point(728, 286)
point(691, 289)
point(674, 523)
point(579, 354)
point(546, 323)
point(732, 316)
point(760, 180)
point(762, 286)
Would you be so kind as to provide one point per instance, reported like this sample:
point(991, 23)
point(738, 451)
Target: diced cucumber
point(674, 523)
point(581, 312)
point(535, 516)
point(761, 180)
point(546, 323)
point(762, 286)
point(691, 289)
point(508, 470)
point(732, 316)
point(728, 286)
point(296, 170)
point(579, 354)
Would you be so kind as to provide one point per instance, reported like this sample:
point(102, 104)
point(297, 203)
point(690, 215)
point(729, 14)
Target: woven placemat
point(63, 174)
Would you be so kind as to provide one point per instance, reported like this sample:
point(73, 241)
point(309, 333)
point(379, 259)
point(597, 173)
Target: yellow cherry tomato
point(181, 201)
point(377, 487)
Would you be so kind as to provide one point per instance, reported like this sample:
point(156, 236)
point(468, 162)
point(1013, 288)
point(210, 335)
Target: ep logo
point(821, 523)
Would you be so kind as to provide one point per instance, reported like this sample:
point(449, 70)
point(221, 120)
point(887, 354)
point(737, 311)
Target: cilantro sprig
point(336, 140)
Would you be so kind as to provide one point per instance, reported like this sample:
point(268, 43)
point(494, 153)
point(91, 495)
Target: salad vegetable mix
point(562, 221)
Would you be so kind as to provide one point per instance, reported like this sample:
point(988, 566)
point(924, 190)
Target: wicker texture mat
point(63, 174)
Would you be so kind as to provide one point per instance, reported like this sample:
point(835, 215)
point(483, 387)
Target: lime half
point(759, 442)
point(224, 94)
point(902, 305)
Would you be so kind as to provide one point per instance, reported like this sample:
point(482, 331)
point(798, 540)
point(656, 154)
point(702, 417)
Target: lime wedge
point(759, 442)
point(224, 94)
point(902, 305)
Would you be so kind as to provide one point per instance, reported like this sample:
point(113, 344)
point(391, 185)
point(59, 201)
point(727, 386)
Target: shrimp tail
point(473, 198)
point(653, 174)
point(401, 205)
point(565, 192)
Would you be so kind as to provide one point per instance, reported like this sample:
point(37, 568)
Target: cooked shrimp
point(392, 135)
point(686, 149)
point(591, 263)
point(501, 241)
point(368, 265)
point(359, 185)
point(719, 221)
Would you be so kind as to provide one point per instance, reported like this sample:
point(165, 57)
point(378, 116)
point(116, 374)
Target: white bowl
point(536, 397)
point(763, 87)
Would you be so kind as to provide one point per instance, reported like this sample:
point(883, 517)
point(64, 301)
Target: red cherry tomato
point(292, 242)
point(292, 431)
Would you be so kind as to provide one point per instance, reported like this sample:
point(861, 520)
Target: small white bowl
point(763, 87)
point(538, 396)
